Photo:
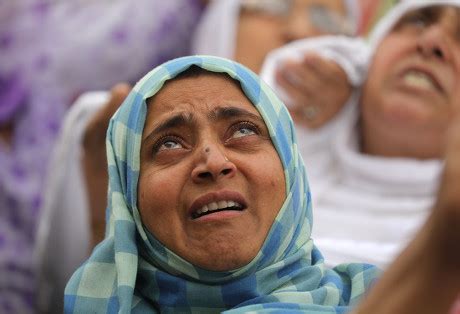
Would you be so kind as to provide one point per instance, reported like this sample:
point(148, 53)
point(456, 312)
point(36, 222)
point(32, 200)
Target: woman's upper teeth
point(419, 79)
point(217, 205)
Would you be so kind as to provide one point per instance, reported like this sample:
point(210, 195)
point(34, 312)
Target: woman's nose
point(212, 165)
point(434, 43)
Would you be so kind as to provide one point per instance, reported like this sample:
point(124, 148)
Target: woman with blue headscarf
point(209, 205)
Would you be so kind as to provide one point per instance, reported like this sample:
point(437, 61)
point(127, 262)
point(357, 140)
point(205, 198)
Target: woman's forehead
point(205, 92)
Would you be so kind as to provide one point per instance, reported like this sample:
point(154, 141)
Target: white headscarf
point(216, 32)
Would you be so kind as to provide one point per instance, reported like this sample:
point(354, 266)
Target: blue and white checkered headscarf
point(131, 271)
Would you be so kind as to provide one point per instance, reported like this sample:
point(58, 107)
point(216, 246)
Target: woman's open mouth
point(214, 207)
point(421, 80)
point(215, 202)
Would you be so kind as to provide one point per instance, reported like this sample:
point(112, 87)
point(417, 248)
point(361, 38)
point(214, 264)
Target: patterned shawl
point(131, 271)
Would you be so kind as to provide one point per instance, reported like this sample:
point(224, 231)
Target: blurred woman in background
point(375, 159)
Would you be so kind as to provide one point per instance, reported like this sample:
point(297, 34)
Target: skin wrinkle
point(180, 119)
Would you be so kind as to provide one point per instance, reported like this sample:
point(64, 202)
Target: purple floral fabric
point(51, 51)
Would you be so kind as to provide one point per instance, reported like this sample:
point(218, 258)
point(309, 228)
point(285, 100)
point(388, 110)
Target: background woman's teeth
point(222, 204)
point(213, 206)
point(418, 79)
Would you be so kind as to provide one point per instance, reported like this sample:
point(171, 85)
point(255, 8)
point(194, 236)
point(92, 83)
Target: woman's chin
point(223, 259)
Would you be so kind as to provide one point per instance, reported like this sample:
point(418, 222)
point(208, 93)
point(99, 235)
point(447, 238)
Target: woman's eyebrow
point(223, 113)
point(175, 121)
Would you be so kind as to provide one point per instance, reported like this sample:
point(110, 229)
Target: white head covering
point(216, 33)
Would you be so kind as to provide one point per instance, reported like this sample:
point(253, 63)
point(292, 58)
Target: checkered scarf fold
point(131, 271)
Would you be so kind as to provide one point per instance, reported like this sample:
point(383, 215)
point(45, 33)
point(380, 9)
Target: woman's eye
point(167, 144)
point(171, 145)
point(418, 19)
point(244, 130)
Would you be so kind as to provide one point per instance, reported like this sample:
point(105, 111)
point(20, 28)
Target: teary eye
point(167, 143)
point(243, 132)
point(170, 145)
point(244, 129)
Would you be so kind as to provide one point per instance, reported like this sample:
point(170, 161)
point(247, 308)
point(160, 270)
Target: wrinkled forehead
point(431, 9)
point(194, 76)
point(197, 91)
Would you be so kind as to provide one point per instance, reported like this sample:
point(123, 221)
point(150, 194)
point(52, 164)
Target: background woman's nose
point(433, 43)
point(212, 165)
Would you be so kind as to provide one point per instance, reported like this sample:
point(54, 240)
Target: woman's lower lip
point(219, 215)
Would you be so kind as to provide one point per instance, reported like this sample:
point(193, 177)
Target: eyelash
point(245, 124)
point(165, 138)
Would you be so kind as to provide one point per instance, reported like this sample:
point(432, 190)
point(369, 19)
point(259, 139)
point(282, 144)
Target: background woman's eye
point(419, 19)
